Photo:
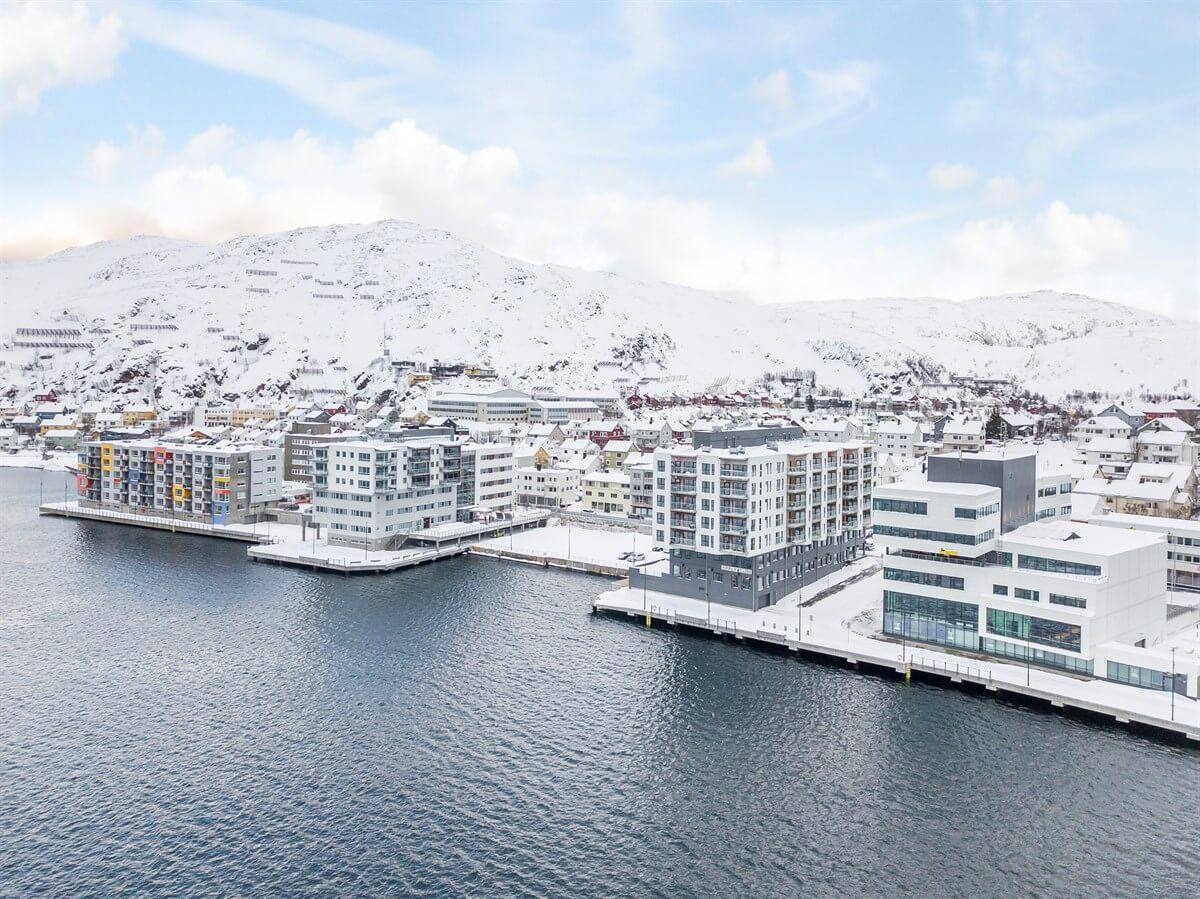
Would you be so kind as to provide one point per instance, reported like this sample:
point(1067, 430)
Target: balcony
point(735, 471)
point(733, 507)
point(683, 538)
point(684, 521)
point(683, 467)
point(731, 489)
point(683, 504)
point(733, 526)
point(733, 545)
point(683, 485)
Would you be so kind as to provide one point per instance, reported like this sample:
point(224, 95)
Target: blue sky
point(782, 152)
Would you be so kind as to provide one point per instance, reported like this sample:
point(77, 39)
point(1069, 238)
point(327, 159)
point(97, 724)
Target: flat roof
point(1146, 522)
point(998, 454)
point(1084, 538)
point(945, 487)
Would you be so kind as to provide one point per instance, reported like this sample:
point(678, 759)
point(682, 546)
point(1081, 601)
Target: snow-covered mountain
point(313, 309)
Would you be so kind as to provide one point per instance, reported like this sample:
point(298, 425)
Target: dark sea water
point(175, 720)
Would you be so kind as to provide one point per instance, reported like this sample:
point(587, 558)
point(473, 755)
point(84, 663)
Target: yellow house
point(135, 415)
point(419, 377)
point(542, 459)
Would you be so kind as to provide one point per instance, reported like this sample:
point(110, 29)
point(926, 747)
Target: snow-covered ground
point(58, 461)
point(578, 544)
point(306, 313)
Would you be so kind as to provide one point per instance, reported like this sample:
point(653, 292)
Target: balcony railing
point(733, 526)
point(735, 471)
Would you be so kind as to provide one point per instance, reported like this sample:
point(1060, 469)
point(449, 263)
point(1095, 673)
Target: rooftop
point(1082, 538)
point(948, 488)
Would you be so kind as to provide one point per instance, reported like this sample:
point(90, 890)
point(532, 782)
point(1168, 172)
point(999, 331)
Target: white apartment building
point(1053, 496)
point(547, 487)
point(964, 568)
point(1183, 544)
point(488, 480)
point(605, 491)
point(1113, 455)
point(899, 438)
point(1169, 447)
point(747, 525)
point(1101, 426)
point(496, 406)
point(834, 430)
point(562, 411)
point(371, 494)
point(964, 436)
point(215, 483)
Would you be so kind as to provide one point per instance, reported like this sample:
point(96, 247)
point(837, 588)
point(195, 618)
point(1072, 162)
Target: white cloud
point(222, 184)
point(844, 86)
point(47, 44)
point(348, 72)
point(1005, 190)
point(754, 162)
point(1056, 244)
point(145, 144)
point(773, 92)
point(952, 175)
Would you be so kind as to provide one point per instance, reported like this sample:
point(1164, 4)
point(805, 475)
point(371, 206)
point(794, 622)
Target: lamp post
point(1172, 683)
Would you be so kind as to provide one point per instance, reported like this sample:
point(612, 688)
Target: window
point(1075, 602)
point(1022, 593)
point(999, 590)
point(984, 512)
point(1149, 678)
point(909, 507)
point(945, 581)
point(1035, 655)
point(1046, 631)
point(1057, 566)
point(930, 620)
point(885, 530)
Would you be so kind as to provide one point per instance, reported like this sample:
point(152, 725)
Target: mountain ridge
point(249, 312)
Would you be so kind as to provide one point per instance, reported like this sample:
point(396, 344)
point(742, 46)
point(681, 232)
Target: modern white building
point(966, 567)
point(370, 494)
point(488, 477)
point(502, 404)
point(752, 520)
point(562, 411)
point(1183, 544)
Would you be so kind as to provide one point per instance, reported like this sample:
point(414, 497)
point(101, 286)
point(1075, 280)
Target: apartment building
point(548, 411)
point(605, 491)
point(966, 567)
point(899, 438)
point(641, 488)
point(1183, 544)
point(217, 484)
point(1102, 426)
point(547, 487)
point(752, 520)
point(1165, 446)
point(1113, 455)
point(966, 436)
point(488, 481)
point(298, 445)
point(370, 494)
point(1053, 496)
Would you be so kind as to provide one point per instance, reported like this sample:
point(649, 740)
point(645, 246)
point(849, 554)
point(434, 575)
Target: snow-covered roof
point(971, 427)
point(1109, 445)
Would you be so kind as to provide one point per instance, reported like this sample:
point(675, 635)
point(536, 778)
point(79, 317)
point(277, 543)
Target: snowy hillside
point(310, 311)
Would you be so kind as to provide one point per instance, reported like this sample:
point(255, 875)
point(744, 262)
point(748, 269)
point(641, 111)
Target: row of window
point(984, 512)
point(1137, 676)
point(1056, 566)
point(906, 506)
point(885, 530)
point(945, 581)
point(1035, 655)
point(1045, 631)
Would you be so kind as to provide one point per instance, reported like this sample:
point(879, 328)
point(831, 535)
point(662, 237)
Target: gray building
point(1014, 472)
point(298, 445)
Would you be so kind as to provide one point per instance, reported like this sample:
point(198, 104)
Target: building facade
point(216, 484)
point(749, 524)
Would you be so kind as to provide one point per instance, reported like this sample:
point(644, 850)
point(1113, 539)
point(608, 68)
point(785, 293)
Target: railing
point(730, 490)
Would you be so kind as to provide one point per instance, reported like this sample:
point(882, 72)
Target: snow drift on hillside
point(312, 309)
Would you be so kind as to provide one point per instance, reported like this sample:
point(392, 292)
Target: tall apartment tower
point(750, 516)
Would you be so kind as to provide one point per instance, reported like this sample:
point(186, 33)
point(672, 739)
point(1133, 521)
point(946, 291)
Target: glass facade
point(930, 620)
point(1035, 656)
point(909, 507)
point(1046, 631)
point(1136, 676)
point(960, 512)
point(885, 530)
point(945, 581)
point(1075, 602)
point(1057, 566)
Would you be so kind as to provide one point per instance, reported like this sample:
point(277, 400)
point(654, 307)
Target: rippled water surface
point(174, 719)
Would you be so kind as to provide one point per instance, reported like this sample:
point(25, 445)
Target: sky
point(780, 152)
